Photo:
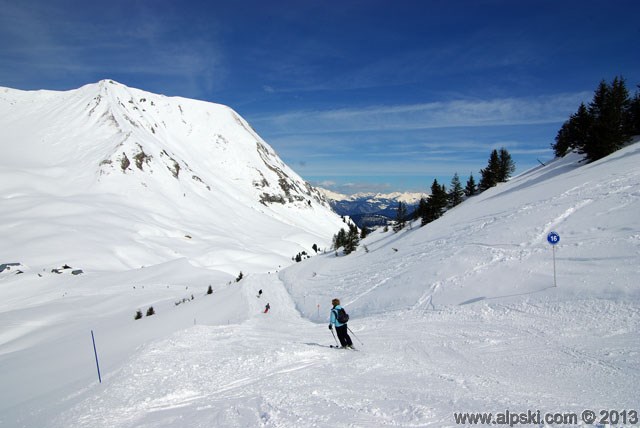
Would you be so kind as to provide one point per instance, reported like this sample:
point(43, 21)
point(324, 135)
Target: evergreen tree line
point(604, 126)
point(499, 169)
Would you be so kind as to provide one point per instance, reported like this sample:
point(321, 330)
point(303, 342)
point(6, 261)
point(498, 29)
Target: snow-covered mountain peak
point(173, 157)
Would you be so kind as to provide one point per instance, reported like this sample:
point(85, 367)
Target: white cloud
point(445, 114)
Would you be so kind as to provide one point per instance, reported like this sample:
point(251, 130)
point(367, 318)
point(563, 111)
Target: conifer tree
point(364, 232)
point(574, 133)
point(506, 167)
point(401, 217)
point(489, 175)
point(456, 194)
point(609, 111)
point(339, 239)
point(420, 212)
point(498, 170)
point(634, 114)
point(471, 188)
point(352, 239)
point(436, 204)
point(563, 138)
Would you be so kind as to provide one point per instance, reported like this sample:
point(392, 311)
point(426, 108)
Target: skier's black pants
point(343, 336)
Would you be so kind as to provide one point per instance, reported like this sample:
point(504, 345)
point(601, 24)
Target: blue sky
point(354, 95)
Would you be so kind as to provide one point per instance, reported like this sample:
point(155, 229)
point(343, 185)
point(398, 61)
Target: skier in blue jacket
point(341, 329)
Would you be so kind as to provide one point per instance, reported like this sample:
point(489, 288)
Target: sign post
point(553, 238)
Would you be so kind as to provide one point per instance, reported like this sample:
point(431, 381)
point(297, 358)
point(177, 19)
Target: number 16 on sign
point(553, 238)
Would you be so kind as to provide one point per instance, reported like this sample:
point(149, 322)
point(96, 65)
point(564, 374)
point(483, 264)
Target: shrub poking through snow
point(150, 311)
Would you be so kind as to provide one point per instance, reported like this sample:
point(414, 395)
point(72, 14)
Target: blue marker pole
point(553, 238)
point(96, 354)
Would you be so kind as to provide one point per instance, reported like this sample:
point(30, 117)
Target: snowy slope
point(494, 246)
point(457, 316)
point(109, 177)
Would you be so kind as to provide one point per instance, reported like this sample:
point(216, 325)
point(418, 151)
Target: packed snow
point(461, 315)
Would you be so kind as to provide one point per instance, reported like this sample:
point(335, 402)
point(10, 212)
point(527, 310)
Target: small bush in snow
point(150, 311)
point(138, 315)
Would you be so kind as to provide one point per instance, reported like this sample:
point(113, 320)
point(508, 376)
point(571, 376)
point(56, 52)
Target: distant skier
point(260, 293)
point(266, 308)
point(339, 318)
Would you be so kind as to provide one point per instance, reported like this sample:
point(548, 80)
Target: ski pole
point(354, 335)
point(334, 337)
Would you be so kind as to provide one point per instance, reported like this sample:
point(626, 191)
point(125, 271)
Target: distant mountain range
point(371, 209)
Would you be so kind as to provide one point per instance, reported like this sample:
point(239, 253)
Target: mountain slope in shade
point(111, 177)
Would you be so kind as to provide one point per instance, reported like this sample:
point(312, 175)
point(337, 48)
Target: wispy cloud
point(446, 114)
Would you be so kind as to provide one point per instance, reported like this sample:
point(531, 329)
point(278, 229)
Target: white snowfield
point(458, 316)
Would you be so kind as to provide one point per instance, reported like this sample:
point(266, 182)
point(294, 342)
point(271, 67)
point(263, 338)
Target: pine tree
point(498, 170)
point(209, 290)
point(420, 212)
point(339, 239)
point(506, 166)
point(436, 204)
point(401, 217)
point(609, 111)
point(471, 188)
point(634, 114)
point(352, 240)
point(456, 194)
point(574, 133)
point(563, 140)
point(490, 173)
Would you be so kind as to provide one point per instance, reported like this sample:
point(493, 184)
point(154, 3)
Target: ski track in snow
point(269, 370)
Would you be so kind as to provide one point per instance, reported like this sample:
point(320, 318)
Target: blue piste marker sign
point(553, 238)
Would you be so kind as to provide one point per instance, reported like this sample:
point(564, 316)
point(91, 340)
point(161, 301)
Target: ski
point(340, 347)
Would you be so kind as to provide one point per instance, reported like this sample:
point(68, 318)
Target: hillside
point(495, 246)
point(108, 177)
point(458, 316)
